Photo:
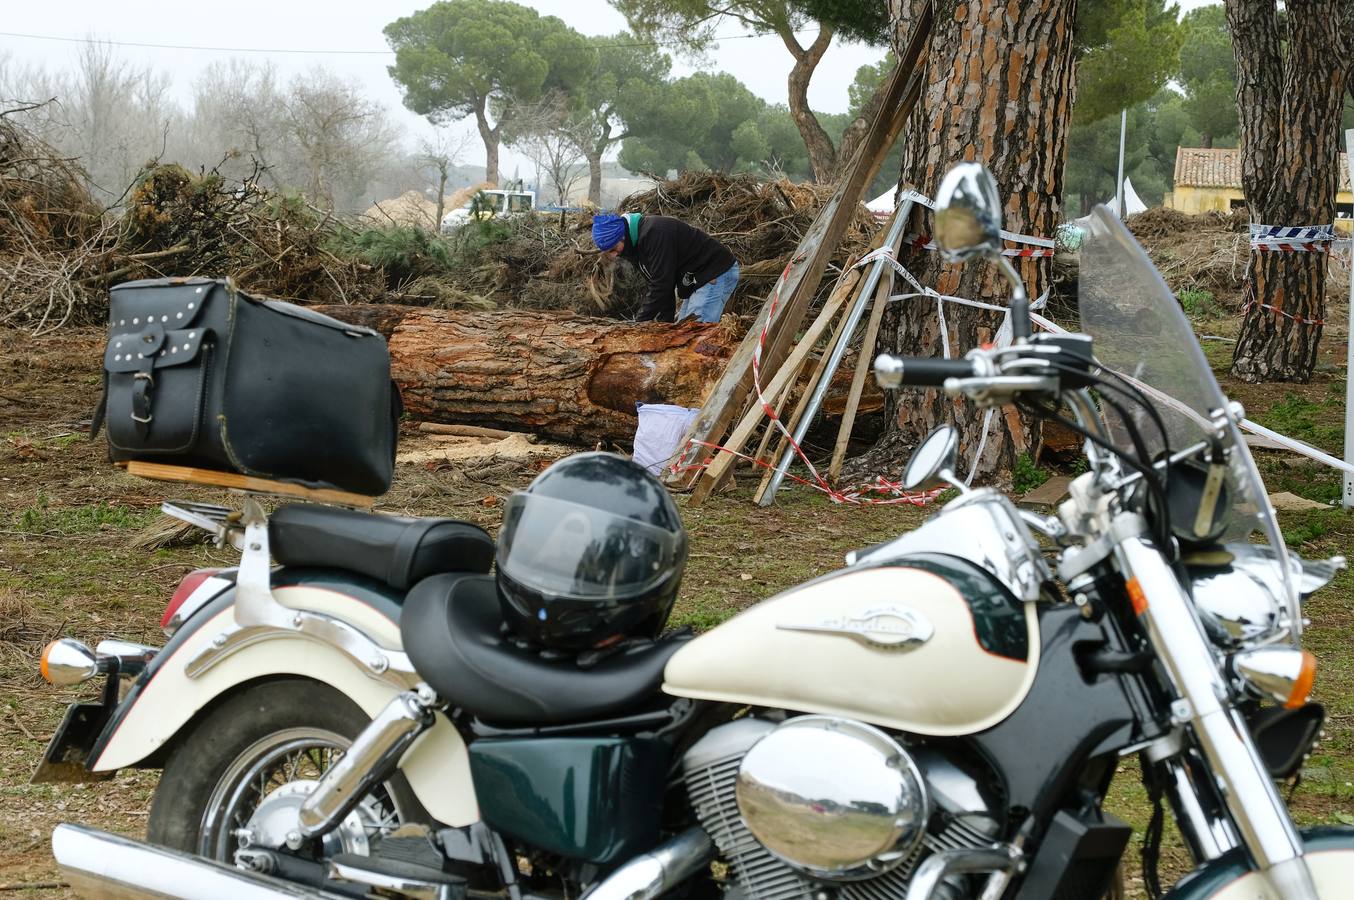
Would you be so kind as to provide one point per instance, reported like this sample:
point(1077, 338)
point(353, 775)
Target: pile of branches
point(761, 222)
point(52, 233)
point(549, 262)
point(60, 250)
point(181, 223)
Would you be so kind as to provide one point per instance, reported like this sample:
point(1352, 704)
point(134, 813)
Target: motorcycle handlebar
point(919, 371)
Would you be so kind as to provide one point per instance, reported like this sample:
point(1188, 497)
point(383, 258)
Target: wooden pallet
point(236, 481)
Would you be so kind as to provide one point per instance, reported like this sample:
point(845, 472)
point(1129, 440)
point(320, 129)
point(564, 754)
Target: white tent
point(1132, 202)
point(882, 206)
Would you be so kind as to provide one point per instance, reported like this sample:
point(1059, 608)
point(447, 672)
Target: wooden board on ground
point(236, 481)
point(1047, 495)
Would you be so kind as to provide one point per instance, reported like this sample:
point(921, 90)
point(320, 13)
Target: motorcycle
point(939, 719)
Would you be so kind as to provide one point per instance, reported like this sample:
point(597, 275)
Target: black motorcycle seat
point(452, 631)
point(397, 550)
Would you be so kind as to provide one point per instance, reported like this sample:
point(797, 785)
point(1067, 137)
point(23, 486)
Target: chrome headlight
point(833, 798)
point(1241, 601)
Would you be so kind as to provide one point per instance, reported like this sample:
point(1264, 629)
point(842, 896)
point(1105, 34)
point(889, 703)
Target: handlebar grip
point(919, 371)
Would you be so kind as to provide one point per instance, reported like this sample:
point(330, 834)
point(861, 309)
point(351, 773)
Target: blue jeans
point(707, 303)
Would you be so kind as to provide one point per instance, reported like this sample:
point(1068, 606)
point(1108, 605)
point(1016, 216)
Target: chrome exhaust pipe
point(103, 866)
point(658, 871)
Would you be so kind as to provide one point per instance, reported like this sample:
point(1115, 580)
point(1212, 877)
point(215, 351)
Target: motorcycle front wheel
point(245, 766)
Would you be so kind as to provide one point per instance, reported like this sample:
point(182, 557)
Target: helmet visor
point(570, 550)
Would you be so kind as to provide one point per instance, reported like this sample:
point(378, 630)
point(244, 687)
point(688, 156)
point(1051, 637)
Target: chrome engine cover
point(711, 770)
point(836, 799)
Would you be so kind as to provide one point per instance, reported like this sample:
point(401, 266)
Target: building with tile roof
point(1210, 179)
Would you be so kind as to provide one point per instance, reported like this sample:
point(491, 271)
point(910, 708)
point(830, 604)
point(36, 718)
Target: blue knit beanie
point(607, 229)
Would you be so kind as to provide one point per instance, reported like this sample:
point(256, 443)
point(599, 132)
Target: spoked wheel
point(238, 779)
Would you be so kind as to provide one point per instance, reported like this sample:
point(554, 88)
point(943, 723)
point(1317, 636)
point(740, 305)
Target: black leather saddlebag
point(199, 373)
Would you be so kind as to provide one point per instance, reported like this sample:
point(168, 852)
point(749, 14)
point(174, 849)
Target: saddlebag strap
point(96, 420)
point(148, 343)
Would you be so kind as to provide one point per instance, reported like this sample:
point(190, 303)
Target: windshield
point(1141, 332)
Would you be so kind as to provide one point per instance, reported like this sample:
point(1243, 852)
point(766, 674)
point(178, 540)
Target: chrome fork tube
point(1260, 816)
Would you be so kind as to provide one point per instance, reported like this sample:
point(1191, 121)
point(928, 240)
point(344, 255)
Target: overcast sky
point(280, 29)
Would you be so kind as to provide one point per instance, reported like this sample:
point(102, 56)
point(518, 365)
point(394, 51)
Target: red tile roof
point(1221, 168)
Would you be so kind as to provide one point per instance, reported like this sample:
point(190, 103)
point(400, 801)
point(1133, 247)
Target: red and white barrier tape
point(1279, 312)
point(924, 242)
point(854, 494)
point(1011, 236)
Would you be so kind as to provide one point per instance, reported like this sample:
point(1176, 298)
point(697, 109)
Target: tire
point(210, 776)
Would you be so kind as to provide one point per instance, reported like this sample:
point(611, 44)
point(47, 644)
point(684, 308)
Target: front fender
point(165, 699)
point(1330, 858)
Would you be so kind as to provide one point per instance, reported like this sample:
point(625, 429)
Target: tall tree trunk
point(999, 90)
point(594, 156)
point(855, 131)
point(1289, 103)
point(442, 174)
point(490, 137)
point(822, 156)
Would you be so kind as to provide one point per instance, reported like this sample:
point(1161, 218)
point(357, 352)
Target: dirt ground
point(79, 556)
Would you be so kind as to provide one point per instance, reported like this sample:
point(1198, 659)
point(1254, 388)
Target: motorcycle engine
point(818, 800)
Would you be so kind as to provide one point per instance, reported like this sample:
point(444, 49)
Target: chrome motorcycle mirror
point(968, 214)
point(968, 226)
point(932, 463)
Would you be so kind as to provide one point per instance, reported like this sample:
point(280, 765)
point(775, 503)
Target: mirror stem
point(1020, 301)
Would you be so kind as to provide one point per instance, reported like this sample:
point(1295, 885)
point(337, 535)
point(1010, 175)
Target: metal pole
point(1347, 496)
point(1119, 182)
point(853, 320)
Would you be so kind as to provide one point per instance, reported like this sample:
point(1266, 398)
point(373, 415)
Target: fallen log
point(562, 376)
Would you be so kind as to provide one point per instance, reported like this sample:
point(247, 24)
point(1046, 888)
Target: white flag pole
point(1347, 495)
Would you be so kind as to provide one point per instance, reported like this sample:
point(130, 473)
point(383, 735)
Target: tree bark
point(999, 90)
point(855, 131)
point(1289, 105)
point(490, 136)
point(564, 377)
point(822, 156)
point(594, 156)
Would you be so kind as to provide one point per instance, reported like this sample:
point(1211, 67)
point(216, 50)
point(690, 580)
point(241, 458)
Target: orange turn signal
point(67, 661)
point(1302, 687)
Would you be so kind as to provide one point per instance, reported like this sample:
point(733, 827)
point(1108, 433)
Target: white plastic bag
point(661, 429)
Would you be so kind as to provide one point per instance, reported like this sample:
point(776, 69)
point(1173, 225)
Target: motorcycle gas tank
point(929, 644)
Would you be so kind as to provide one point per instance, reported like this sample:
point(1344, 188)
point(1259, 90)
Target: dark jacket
point(673, 255)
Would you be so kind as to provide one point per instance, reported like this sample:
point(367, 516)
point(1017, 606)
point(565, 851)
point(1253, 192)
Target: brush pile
point(51, 234)
point(60, 250)
point(761, 222)
point(1205, 252)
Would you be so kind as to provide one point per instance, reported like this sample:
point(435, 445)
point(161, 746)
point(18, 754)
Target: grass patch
point(1026, 476)
point(1320, 423)
point(43, 518)
point(1196, 302)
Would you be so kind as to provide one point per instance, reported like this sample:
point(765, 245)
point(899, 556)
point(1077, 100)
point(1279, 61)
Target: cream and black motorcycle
point(940, 719)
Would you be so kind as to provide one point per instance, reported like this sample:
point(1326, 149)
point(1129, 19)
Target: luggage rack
point(246, 483)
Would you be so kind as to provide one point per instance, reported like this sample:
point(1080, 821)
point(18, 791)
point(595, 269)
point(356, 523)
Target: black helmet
point(591, 552)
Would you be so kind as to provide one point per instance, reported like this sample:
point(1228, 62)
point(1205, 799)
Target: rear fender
point(1329, 853)
point(166, 698)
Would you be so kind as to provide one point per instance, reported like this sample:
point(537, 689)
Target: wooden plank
point(729, 397)
point(189, 475)
point(819, 372)
point(786, 374)
point(1047, 495)
point(881, 300)
point(497, 434)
